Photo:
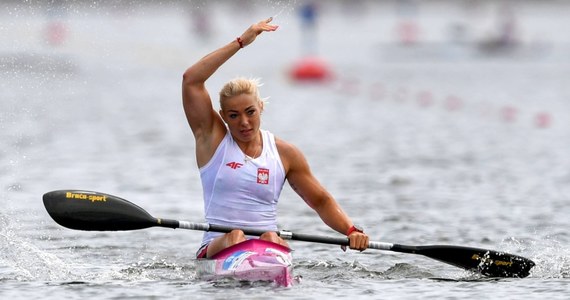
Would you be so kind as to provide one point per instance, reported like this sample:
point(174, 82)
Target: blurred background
point(430, 121)
point(68, 64)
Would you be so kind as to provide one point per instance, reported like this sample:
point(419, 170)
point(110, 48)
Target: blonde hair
point(240, 86)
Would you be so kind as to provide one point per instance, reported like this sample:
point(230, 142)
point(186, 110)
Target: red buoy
point(311, 68)
point(542, 120)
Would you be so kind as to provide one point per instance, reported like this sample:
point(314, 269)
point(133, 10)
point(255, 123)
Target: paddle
point(86, 210)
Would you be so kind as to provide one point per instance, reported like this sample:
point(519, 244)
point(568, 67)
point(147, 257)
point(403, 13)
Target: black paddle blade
point(86, 210)
point(487, 262)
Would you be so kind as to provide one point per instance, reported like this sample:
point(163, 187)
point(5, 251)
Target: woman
point(242, 167)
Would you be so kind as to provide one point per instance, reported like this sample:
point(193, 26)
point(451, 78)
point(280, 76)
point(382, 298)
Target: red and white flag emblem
point(262, 176)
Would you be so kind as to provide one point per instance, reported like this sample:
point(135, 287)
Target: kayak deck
point(251, 260)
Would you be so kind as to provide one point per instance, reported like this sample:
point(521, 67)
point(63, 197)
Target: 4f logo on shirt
point(234, 165)
point(263, 176)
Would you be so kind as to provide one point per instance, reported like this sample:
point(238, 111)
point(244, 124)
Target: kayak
point(251, 260)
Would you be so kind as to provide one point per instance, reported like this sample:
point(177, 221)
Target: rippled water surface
point(437, 142)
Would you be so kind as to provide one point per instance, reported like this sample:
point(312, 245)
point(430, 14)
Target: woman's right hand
point(256, 29)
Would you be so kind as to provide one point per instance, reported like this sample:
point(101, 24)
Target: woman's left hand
point(357, 241)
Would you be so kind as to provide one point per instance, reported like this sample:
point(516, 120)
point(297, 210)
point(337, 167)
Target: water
point(437, 142)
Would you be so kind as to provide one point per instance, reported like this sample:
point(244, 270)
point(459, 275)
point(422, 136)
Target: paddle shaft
point(286, 235)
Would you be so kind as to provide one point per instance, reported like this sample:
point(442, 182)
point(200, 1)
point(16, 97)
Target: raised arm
point(315, 195)
point(205, 122)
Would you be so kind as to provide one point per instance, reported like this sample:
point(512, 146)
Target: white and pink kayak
point(252, 260)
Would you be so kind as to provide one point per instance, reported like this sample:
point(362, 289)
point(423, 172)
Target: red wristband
point(354, 228)
point(238, 39)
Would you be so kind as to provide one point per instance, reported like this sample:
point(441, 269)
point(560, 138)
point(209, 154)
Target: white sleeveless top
point(242, 192)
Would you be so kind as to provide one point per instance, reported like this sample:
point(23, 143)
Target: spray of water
point(280, 7)
point(24, 261)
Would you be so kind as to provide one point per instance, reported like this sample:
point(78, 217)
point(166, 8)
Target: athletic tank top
point(242, 192)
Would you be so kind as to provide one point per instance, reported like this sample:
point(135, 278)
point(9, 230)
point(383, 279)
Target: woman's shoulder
point(284, 147)
point(291, 156)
